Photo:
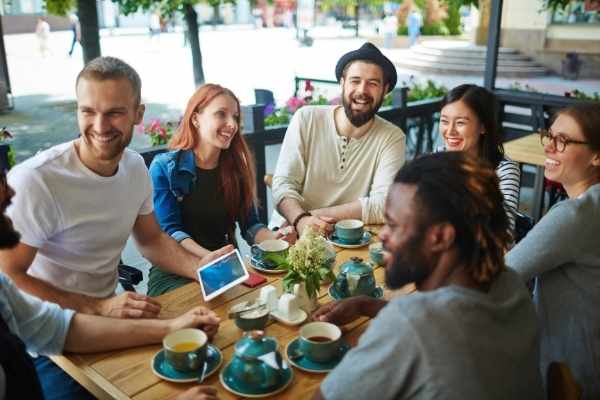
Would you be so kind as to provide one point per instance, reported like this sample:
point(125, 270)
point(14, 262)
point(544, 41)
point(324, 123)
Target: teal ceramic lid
point(356, 266)
point(255, 344)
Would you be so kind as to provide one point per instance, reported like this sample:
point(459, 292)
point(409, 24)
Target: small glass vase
point(307, 303)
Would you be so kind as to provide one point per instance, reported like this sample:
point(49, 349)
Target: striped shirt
point(509, 173)
point(510, 182)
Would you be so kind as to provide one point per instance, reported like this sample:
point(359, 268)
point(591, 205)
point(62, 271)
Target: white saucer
point(302, 315)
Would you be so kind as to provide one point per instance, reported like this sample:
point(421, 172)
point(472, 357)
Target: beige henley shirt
point(320, 168)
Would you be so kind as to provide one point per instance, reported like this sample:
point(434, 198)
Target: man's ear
point(441, 237)
point(596, 160)
point(139, 113)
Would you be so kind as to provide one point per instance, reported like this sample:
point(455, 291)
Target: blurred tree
point(167, 8)
point(554, 4)
point(88, 18)
point(453, 20)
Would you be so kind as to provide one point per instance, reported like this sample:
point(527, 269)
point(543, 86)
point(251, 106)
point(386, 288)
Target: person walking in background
point(76, 30)
point(42, 31)
point(415, 21)
point(390, 30)
point(154, 26)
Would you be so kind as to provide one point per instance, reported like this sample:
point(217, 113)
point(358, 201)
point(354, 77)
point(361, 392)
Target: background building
point(547, 37)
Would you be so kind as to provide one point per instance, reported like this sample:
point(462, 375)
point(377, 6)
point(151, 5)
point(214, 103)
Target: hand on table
point(321, 224)
point(340, 312)
point(199, 393)
point(128, 305)
point(287, 233)
point(198, 317)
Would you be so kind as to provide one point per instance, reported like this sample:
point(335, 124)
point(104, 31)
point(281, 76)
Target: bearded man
point(338, 162)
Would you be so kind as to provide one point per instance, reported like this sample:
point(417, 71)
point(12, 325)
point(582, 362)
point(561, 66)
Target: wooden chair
point(560, 383)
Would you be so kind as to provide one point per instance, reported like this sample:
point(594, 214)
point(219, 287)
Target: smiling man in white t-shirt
point(78, 202)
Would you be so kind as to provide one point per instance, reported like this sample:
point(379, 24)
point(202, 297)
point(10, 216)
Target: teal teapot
point(355, 278)
point(256, 363)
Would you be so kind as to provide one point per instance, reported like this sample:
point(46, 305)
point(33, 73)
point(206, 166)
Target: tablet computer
point(222, 274)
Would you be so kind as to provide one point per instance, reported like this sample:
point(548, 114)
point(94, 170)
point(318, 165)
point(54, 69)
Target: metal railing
point(522, 113)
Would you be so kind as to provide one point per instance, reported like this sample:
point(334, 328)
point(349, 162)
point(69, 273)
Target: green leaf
point(60, 7)
point(310, 288)
point(323, 272)
point(316, 281)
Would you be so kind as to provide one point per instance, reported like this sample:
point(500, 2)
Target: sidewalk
point(241, 59)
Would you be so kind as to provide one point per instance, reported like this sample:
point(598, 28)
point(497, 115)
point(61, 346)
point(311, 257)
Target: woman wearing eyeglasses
point(563, 250)
point(469, 122)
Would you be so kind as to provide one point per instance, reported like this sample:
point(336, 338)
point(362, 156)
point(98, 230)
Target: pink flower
point(294, 103)
point(154, 124)
point(308, 87)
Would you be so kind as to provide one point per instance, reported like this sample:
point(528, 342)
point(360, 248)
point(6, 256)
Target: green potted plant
point(308, 264)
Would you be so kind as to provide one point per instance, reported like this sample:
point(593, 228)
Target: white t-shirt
point(320, 168)
point(79, 221)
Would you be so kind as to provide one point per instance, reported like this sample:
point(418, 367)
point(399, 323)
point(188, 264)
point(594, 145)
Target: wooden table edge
point(87, 377)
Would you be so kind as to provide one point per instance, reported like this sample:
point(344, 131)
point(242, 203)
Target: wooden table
point(529, 150)
point(127, 374)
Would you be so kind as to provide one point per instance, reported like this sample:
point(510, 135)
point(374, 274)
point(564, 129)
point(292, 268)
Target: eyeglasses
point(559, 142)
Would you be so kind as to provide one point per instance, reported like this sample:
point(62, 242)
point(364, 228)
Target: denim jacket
point(173, 177)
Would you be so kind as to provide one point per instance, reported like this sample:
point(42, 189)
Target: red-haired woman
point(206, 184)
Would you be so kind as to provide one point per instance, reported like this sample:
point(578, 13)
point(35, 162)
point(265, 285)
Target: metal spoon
point(203, 372)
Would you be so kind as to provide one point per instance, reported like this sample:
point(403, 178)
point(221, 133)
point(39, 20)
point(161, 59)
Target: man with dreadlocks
point(470, 330)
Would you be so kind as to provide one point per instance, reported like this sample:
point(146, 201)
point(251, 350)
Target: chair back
point(263, 96)
point(523, 224)
point(560, 383)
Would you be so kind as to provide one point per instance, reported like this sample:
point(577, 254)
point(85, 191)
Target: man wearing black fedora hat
point(337, 162)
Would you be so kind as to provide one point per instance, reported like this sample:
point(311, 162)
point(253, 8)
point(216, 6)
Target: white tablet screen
point(222, 274)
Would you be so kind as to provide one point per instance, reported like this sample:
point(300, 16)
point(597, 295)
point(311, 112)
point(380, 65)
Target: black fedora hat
point(369, 52)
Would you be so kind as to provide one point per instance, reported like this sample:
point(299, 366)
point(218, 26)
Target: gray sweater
point(563, 252)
